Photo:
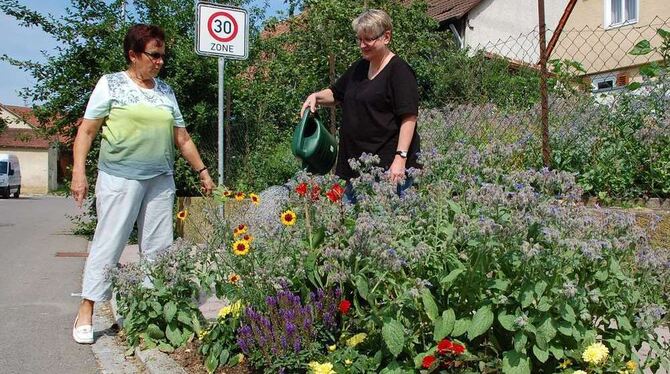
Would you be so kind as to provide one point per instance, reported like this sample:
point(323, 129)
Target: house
point(38, 156)
point(599, 35)
point(507, 28)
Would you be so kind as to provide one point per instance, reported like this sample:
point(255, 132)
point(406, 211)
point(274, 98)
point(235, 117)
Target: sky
point(29, 44)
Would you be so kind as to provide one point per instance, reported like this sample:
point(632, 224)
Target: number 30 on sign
point(222, 31)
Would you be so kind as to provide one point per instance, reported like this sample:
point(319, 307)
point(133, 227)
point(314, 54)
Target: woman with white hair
point(379, 98)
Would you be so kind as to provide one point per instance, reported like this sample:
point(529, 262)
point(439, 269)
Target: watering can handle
point(303, 122)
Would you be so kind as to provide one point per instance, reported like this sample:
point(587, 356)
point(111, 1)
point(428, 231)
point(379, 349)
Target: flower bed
point(478, 269)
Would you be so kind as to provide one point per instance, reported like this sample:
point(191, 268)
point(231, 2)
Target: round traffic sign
point(222, 26)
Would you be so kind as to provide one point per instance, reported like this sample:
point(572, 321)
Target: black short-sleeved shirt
point(372, 111)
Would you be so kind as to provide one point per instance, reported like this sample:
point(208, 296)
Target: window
point(604, 83)
point(620, 12)
point(3, 167)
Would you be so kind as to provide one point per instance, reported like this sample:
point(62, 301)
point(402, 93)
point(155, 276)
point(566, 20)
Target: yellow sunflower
point(254, 198)
point(182, 214)
point(241, 247)
point(288, 218)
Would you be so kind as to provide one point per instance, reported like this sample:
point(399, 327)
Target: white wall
point(34, 169)
point(509, 27)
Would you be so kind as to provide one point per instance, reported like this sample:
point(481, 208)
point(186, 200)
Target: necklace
point(141, 82)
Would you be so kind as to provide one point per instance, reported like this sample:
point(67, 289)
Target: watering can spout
point(314, 145)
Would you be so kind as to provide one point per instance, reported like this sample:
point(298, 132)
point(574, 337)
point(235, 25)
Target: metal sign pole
point(222, 65)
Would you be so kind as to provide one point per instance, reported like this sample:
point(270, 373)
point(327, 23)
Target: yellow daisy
point(288, 218)
point(240, 230)
point(241, 247)
point(182, 214)
point(248, 237)
point(240, 196)
point(234, 278)
point(254, 198)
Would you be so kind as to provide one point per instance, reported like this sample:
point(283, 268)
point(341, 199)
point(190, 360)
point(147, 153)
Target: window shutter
point(621, 80)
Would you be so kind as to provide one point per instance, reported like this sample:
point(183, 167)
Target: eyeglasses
point(155, 55)
point(369, 41)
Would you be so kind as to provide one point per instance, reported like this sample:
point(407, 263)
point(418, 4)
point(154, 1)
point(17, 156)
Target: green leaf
point(165, 347)
point(507, 321)
point(429, 304)
point(316, 238)
point(541, 354)
point(544, 304)
point(540, 287)
point(211, 363)
point(154, 332)
point(557, 352)
point(460, 327)
point(634, 86)
point(169, 311)
point(650, 71)
point(449, 279)
point(173, 334)
point(623, 322)
point(526, 296)
point(394, 336)
point(515, 363)
point(520, 340)
point(663, 33)
point(157, 307)
point(601, 275)
point(643, 47)
point(455, 207)
point(481, 322)
point(565, 328)
point(223, 357)
point(545, 332)
point(444, 325)
point(362, 287)
point(568, 314)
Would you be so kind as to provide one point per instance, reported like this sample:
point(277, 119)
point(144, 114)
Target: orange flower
point(254, 198)
point(182, 214)
point(227, 193)
point(288, 218)
point(240, 196)
point(248, 237)
point(241, 247)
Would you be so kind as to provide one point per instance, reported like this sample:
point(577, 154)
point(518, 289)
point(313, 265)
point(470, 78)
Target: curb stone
point(109, 354)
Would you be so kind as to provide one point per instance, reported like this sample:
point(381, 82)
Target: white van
point(10, 175)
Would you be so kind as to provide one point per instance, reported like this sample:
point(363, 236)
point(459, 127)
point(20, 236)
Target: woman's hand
point(397, 169)
point(206, 183)
point(310, 103)
point(79, 187)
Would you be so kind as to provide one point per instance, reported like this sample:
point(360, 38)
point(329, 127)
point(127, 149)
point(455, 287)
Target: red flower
point(335, 193)
point(344, 306)
point(444, 346)
point(301, 189)
point(428, 361)
point(458, 349)
point(316, 190)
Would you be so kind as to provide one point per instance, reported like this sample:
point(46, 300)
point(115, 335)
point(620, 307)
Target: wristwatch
point(402, 154)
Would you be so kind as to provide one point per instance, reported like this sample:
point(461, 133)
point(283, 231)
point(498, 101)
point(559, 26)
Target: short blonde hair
point(372, 22)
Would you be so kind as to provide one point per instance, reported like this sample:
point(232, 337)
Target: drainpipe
point(456, 34)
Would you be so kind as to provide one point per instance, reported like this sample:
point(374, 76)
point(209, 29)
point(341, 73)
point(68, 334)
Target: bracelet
point(201, 170)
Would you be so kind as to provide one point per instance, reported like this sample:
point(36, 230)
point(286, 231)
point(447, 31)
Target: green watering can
point(314, 145)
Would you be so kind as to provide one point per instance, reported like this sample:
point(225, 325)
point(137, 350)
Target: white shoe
point(82, 334)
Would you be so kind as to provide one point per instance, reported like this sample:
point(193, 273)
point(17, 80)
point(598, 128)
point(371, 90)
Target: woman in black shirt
point(380, 102)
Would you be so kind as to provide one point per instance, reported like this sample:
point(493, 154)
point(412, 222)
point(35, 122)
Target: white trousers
point(119, 203)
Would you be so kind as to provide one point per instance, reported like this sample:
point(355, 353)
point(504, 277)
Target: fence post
point(544, 114)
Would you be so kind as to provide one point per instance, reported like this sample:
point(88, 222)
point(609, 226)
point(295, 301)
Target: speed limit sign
point(222, 31)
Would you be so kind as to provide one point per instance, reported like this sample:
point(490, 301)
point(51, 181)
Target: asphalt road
point(36, 306)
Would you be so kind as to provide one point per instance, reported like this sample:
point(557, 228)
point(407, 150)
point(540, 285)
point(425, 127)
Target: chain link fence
point(615, 139)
